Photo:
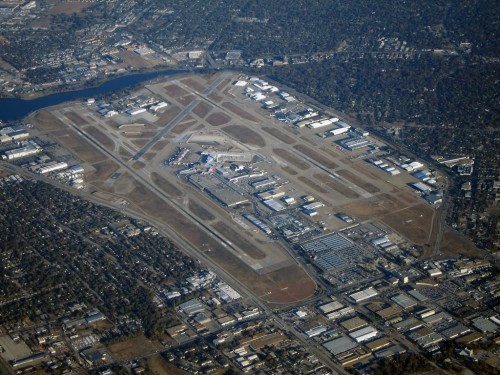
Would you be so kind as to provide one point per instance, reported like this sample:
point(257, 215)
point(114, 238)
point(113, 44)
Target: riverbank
point(12, 109)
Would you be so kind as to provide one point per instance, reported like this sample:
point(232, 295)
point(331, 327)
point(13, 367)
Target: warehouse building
point(340, 345)
point(12, 133)
point(28, 148)
point(364, 334)
point(363, 295)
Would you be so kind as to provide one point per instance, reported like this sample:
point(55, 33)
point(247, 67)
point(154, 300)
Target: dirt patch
point(182, 127)
point(245, 135)
point(218, 118)
point(100, 137)
point(338, 186)
point(76, 118)
point(348, 175)
point(124, 154)
point(289, 157)
point(290, 170)
point(134, 347)
point(168, 115)
point(223, 84)
point(105, 169)
point(140, 143)
point(313, 185)
point(281, 136)
point(165, 185)
point(200, 211)
point(80, 147)
point(239, 241)
point(46, 121)
point(138, 165)
point(239, 111)
point(215, 97)
point(317, 157)
point(413, 223)
point(454, 243)
point(187, 99)
point(69, 7)
point(330, 152)
point(175, 91)
point(194, 84)
point(375, 206)
point(202, 109)
point(160, 145)
point(158, 366)
point(133, 59)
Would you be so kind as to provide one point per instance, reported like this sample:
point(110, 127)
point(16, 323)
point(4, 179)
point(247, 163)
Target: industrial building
point(355, 143)
point(406, 302)
point(340, 345)
point(52, 167)
point(12, 133)
point(218, 189)
point(363, 295)
point(28, 148)
point(364, 334)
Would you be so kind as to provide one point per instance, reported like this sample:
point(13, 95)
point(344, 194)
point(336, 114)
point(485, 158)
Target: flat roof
point(340, 345)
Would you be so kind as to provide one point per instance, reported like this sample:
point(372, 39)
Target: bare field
point(238, 240)
point(194, 84)
point(175, 91)
point(313, 185)
point(80, 147)
point(100, 137)
point(245, 135)
point(287, 285)
point(290, 170)
point(413, 222)
point(160, 145)
point(239, 111)
point(76, 118)
point(289, 157)
point(378, 205)
point(69, 7)
point(218, 118)
point(165, 185)
point(104, 169)
point(279, 135)
point(183, 126)
point(138, 165)
point(202, 109)
point(139, 142)
point(366, 170)
point(124, 154)
point(336, 185)
point(348, 175)
point(168, 115)
point(186, 100)
point(132, 58)
point(158, 366)
point(200, 211)
point(454, 243)
point(46, 121)
point(317, 157)
point(134, 347)
point(330, 152)
point(215, 97)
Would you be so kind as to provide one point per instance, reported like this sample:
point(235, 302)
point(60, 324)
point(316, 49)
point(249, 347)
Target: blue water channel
point(12, 109)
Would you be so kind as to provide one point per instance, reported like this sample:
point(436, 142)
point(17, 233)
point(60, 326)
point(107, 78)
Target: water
point(12, 109)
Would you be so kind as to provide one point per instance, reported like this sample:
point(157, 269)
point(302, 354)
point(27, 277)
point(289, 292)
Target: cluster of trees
point(57, 254)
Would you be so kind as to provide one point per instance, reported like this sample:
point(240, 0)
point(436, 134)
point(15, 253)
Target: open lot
point(134, 347)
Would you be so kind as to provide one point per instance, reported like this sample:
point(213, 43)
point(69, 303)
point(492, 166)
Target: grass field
point(200, 211)
point(100, 137)
point(202, 109)
point(336, 186)
point(239, 111)
point(165, 185)
point(348, 175)
point(239, 241)
point(133, 348)
point(76, 118)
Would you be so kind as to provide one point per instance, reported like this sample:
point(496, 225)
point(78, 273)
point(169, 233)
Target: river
point(12, 109)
